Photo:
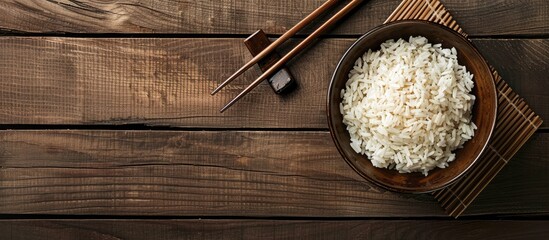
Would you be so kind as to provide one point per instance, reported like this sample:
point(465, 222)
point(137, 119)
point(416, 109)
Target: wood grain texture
point(167, 81)
point(478, 17)
point(225, 173)
point(532, 162)
point(270, 229)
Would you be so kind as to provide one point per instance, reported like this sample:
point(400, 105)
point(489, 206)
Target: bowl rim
point(332, 126)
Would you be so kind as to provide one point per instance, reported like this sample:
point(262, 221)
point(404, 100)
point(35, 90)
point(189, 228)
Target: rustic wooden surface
point(132, 79)
point(477, 17)
point(224, 173)
point(168, 81)
point(272, 229)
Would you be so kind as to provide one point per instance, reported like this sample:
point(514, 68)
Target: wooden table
point(108, 130)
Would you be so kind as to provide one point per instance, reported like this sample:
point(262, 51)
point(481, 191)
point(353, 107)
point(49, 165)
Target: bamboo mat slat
point(515, 123)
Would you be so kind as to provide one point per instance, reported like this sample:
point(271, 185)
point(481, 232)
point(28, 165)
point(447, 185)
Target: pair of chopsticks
point(296, 50)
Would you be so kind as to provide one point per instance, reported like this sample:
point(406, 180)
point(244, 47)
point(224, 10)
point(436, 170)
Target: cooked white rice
point(408, 105)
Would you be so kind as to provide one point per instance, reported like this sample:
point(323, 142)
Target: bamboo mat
point(515, 123)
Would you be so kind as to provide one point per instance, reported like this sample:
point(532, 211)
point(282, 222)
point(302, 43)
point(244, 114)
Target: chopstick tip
point(223, 109)
point(229, 104)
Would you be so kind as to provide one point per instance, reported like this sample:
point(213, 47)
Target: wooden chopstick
point(290, 33)
point(302, 45)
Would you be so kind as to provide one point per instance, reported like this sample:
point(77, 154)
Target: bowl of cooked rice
point(411, 106)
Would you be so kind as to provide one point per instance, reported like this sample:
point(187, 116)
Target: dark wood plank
point(271, 229)
point(188, 173)
point(478, 17)
point(168, 81)
point(224, 173)
point(531, 162)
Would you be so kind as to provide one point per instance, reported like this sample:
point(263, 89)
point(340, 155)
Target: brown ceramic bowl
point(484, 110)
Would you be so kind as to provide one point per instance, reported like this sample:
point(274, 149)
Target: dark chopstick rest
point(282, 81)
